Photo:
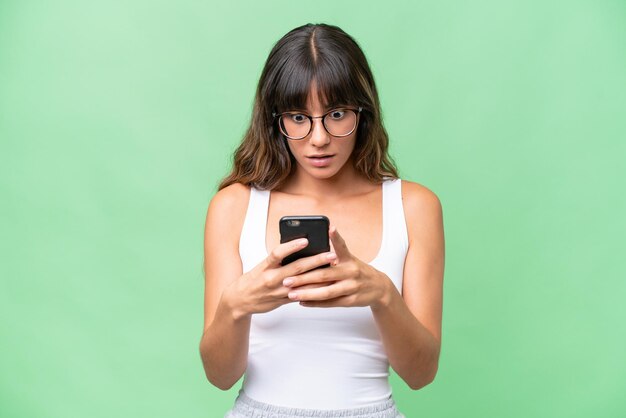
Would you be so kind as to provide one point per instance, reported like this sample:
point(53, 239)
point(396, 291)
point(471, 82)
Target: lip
point(321, 160)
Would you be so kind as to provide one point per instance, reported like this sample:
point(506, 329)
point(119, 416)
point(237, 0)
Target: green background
point(118, 119)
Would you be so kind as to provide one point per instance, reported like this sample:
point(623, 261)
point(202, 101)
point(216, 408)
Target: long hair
point(332, 58)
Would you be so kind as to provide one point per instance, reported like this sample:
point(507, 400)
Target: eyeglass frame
point(357, 111)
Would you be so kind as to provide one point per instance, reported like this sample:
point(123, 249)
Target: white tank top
point(322, 358)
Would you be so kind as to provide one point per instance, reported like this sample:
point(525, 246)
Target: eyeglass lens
point(339, 122)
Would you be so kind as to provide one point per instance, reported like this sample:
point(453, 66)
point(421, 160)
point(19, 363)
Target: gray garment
point(246, 407)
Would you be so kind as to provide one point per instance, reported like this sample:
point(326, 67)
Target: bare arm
point(231, 298)
point(410, 325)
point(224, 342)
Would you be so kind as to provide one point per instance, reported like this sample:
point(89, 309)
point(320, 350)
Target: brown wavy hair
point(332, 58)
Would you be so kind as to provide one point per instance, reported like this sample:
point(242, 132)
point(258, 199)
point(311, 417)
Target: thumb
point(339, 245)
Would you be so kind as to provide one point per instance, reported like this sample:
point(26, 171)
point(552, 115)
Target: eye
point(297, 117)
point(337, 114)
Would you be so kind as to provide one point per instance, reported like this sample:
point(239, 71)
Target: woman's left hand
point(355, 282)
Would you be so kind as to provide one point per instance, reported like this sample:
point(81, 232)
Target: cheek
point(293, 149)
point(349, 146)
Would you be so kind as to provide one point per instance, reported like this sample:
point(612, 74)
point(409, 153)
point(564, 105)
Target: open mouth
point(320, 160)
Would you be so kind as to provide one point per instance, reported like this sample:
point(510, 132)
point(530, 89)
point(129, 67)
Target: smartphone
point(313, 228)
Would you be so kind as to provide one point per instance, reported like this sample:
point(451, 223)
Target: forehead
point(315, 99)
point(311, 94)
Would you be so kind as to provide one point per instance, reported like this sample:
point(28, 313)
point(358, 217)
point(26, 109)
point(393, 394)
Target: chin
point(322, 173)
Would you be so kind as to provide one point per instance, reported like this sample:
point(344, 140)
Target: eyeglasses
point(337, 122)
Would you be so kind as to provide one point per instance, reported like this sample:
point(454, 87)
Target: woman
point(319, 342)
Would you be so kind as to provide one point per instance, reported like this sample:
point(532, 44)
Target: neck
point(346, 182)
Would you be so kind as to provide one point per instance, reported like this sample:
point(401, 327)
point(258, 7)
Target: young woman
point(318, 342)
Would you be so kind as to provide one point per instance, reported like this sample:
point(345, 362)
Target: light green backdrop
point(118, 118)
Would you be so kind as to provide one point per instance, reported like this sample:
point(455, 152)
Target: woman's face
point(320, 154)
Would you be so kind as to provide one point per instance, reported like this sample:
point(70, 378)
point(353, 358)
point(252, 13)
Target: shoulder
point(233, 197)
point(422, 207)
point(227, 210)
point(419, 197)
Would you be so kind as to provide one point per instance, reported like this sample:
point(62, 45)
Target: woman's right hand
point(261, 289)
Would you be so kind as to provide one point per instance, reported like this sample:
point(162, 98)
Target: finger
point(341, 288)
point(332, 249)
point(306, 263)
point(335, 302)
point(324, 275)
point(283, 250)
point(339, 245)
point(309, 286)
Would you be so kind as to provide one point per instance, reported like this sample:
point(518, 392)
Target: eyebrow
point(326, 109)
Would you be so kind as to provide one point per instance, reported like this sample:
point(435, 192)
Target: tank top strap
point(252, 240)
point(393, 212)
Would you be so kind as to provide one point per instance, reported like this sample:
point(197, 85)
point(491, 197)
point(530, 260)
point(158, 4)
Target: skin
point(409, 324)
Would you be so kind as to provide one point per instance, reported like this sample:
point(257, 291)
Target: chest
point(358, 219)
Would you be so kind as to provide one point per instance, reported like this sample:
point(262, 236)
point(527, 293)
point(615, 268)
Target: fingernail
point(331, 256)
point(302, 241)
point(293, 295)
point(287, 282)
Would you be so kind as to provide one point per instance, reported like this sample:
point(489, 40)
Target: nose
point(319, 136)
